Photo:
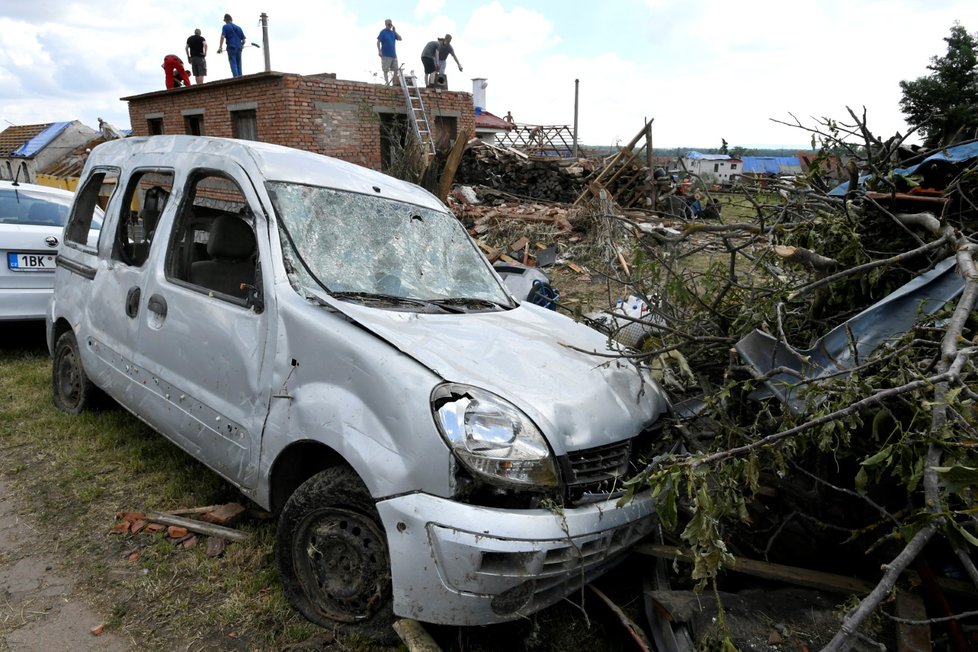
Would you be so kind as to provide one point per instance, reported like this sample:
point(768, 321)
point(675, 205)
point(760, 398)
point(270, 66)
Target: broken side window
point(141, 208)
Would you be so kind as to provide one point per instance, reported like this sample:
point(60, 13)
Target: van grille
point(597, 470)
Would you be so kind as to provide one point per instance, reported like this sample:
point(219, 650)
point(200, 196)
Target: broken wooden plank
point(911, 638)
point(451, 167)
point(636, 632)
point(415, 637)
point(789, 574)
point(198, 526)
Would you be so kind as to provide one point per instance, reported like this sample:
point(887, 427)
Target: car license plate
point(30, 262)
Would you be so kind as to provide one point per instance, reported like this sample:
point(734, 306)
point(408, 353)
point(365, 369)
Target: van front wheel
point(333, 558)
point(71, 390)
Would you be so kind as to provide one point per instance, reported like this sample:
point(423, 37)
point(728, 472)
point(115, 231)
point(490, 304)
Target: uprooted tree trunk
point(891, 438)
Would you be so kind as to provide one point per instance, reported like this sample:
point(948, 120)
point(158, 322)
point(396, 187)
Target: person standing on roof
point(386, 41)
point(234, 37)
point(429, 59)
point(445, 49)
point(196, 51)
point(176, 74)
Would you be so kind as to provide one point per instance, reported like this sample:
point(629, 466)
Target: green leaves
point(958, 478)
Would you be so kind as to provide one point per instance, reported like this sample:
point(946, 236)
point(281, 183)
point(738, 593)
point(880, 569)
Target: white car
point(32, 220)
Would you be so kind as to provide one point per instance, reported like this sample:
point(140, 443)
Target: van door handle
point(157, 304)
point(132, 302)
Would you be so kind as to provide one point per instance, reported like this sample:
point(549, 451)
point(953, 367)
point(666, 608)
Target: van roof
point(267, 161)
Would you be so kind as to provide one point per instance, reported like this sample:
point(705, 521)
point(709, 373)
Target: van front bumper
point(458, 564)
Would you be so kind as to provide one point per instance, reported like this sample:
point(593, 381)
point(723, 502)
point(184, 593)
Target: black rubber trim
point(76, 268)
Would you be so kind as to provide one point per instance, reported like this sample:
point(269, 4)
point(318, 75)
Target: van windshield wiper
point(470, 302)
point(390, 299)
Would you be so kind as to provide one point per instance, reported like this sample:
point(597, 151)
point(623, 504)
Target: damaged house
point(27, 149)
point(358, 122)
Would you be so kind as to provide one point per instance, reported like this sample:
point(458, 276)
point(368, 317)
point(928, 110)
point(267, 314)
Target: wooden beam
point(788, 574)
point(451, 167)
point(197, 526)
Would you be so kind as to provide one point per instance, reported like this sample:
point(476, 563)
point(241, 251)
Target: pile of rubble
point(509, 169)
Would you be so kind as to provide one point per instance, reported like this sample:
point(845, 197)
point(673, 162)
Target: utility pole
point(264, 41)
point(577, 84)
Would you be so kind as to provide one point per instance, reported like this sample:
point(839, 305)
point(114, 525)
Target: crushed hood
point(528, 356)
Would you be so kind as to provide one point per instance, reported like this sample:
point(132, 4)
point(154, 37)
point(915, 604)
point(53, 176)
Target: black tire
point(333, 558)
point(71, 389)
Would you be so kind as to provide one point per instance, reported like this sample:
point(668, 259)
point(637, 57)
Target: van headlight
point(492, 437)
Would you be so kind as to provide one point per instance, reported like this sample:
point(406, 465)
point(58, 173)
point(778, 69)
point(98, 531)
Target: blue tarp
point(40, 141)
point(953, 154)
point(771, 164)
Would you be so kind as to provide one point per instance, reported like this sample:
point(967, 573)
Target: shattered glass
point(355, 243)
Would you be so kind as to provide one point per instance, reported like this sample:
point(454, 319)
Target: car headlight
point(492, 437)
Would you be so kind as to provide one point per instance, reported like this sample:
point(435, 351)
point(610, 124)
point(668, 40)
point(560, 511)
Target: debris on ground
point(183, 531)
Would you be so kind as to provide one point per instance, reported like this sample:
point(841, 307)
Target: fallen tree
point(871, 451)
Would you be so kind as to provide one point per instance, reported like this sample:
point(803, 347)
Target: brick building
point(358, 122)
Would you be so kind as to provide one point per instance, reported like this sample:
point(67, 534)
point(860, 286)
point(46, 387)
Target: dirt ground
point(43, 606)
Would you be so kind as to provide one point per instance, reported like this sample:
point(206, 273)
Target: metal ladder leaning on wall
point(417, 115)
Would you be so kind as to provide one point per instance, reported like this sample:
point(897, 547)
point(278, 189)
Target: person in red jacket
point(176, 74)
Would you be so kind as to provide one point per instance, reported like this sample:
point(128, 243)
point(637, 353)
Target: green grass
point(77, 472)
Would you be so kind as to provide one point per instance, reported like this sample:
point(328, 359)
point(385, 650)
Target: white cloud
point(704, 70)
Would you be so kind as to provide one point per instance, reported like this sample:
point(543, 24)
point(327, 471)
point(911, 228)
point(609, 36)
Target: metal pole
point(577, 84)
point(264, 41)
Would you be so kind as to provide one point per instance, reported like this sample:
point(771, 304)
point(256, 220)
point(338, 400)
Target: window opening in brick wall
point(244, 124)
point(396, 153)
point(193, 125)
point(155, 126)
point(446, 130)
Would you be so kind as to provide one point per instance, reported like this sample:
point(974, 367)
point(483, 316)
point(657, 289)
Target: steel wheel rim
point(341, 563)
point(69, 380)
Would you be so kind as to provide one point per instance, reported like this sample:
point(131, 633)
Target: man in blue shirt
point(385, 48)
point(234, 38)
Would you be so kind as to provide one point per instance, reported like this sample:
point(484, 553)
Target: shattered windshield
point(356, 245)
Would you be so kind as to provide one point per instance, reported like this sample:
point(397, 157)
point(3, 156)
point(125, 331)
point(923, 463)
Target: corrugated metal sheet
point(41, 140)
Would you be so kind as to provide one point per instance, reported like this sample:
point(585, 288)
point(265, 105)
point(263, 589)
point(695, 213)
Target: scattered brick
point(176, 532)
point(98, 629)
point(121, 527)
point(137, 526)
point(225, 514)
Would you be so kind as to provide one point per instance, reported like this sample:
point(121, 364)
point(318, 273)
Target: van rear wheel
point(71, 389)
point(333, 558)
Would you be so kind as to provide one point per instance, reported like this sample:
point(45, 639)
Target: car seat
point(231, 246)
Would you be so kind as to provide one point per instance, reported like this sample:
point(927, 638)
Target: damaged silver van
point(331, 341)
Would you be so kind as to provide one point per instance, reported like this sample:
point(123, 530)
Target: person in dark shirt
point(196, 51)
point(429, 59)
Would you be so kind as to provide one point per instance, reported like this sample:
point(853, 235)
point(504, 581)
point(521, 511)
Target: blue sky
point(701, 69)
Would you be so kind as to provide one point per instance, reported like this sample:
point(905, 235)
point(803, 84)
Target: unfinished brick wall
point(317, 113)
